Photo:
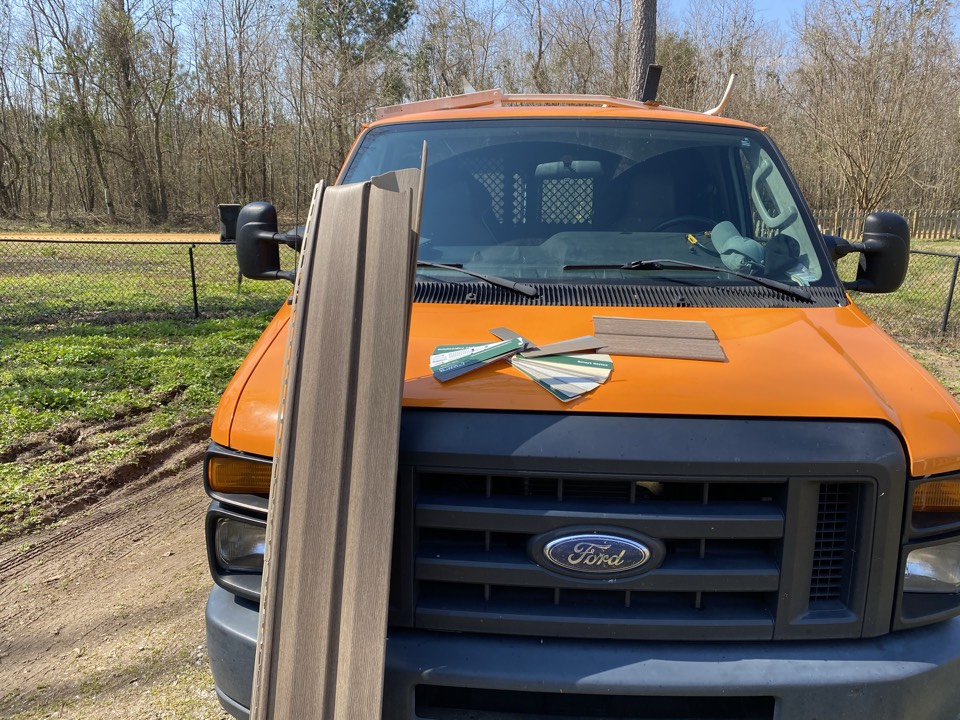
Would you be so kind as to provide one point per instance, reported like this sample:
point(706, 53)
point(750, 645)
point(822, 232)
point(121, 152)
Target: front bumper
point(909, 674)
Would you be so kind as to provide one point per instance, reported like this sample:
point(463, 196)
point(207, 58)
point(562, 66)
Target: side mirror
point(885, 253)
point(258, 243)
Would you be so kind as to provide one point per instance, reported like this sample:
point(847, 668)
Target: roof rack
point(498, 98)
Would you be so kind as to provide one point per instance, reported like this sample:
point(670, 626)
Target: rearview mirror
point(568, 168)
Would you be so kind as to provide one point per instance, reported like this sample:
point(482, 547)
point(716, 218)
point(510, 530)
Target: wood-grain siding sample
point(680, 339)
point(324, 600)
point(693, 329)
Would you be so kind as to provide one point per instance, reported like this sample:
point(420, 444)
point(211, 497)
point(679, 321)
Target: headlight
point(240, 545)
point(934, 569)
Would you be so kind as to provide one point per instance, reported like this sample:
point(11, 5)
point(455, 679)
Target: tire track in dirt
point(77, 433)
point(84, 485)
point(101, 615)
point(14, 556)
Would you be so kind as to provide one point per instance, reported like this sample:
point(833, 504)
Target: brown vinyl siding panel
point(324, 602)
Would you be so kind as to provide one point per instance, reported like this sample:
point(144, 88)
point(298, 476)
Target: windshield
point(537, 200)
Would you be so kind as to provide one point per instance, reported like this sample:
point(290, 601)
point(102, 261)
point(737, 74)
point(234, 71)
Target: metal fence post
point(193, 281)
point(953, 286)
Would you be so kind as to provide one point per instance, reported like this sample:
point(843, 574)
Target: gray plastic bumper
point(910, 674)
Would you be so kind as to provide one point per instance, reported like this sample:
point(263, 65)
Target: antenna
point(725, 99)
point(651, 83)
point(296, 207)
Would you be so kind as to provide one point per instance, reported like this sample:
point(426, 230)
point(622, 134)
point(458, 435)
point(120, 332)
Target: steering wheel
point(685, 221)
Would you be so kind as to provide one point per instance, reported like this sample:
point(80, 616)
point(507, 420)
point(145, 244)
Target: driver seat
point(650, 199)
point(456, 211)
point(674, 184)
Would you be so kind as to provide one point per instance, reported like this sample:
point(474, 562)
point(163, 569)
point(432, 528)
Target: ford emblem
point(596, 554)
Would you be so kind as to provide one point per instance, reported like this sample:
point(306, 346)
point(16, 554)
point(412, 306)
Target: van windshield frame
point(524, 198)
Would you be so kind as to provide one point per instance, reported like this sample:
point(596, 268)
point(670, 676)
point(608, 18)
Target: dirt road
point(101, 615)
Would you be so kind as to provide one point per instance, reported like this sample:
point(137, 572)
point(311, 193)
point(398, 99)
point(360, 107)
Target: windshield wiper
point(665, 264)
point(522, 288)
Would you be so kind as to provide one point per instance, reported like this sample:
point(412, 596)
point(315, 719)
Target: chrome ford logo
point(603, 554)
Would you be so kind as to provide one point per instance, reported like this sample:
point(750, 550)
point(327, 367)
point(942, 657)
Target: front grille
point(833, 551)
point(474, 573)
point(758, 529)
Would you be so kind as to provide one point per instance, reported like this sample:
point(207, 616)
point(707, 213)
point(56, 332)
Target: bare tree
point(11, 122)
point(37, 95)
point(869, 86)
point(237, 67)
point(716, 39)
point(75, 88)
point(187, 103)
point(119, 47)
point(643, 43)
point(576, 45)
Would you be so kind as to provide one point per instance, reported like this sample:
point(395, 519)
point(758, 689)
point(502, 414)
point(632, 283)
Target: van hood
point(781, 363)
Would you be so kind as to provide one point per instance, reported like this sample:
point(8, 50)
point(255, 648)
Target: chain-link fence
point(44, 281)
point(923, 307)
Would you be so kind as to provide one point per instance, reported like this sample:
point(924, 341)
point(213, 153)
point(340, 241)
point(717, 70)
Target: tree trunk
point(163, 202)
point(93, 145)
point(643, 46)
point(87, 182)
point(539, 80)
point(49, 180)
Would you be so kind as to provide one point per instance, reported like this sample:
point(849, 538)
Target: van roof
point(490, 104)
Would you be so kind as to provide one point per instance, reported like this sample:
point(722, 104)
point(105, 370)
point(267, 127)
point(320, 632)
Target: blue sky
point(779, 11)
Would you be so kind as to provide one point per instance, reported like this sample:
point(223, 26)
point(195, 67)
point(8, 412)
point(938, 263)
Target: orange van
point(798, 500)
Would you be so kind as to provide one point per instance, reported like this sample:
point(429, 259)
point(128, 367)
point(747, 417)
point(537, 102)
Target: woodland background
point(151, 112)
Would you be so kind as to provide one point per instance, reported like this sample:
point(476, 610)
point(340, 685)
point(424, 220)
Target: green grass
point(86, 371)
point(950, 246)
point(915, 311)
point(116, 282)
point(84, 375)
point(100, 352)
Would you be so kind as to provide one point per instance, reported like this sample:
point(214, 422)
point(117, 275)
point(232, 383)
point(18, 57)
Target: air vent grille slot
point(833, 549)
